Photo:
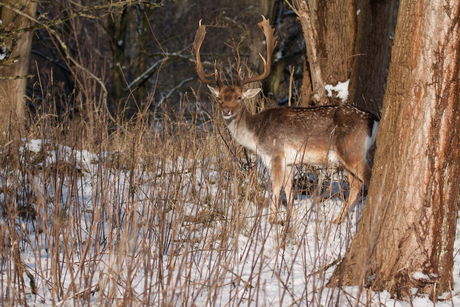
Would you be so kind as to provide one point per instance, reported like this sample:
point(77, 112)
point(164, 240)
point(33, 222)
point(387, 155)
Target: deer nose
point(226, 113)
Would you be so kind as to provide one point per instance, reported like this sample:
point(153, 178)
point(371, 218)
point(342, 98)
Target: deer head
point(230, 97)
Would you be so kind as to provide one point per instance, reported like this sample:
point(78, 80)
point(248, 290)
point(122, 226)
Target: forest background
point(120, 77)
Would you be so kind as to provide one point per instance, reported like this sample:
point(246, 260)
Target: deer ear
point(214, 91)
point(249, 93)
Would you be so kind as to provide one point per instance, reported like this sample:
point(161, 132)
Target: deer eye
point(239, 98)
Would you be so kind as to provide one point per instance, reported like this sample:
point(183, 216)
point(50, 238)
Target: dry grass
point(169, 212)
point(96, 219)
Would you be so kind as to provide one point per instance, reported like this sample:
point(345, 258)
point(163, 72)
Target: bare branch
point(173, 90)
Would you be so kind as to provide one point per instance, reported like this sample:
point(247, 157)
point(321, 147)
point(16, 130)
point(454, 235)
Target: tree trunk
point(306, 85)
point(329, 42)
point(117, 27)
point(318, 92)
point(13, 90)
point(369, 73)
point(409, 221)
point(335, 37)
point(144, 36)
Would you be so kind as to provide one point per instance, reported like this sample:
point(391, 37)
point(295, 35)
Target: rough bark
point(369, 73)
point(329, 42)
point(318, 93)
point(408, 223)
point(306, 85)
point(335, 37)
point(13, 90)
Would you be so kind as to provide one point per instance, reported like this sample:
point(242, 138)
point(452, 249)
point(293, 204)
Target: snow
point(421, 276)
point(2, 48)
point(2, 53)
point(341, 88)
point(215, 263)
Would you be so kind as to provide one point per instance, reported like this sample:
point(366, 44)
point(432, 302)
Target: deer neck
point(241, 129)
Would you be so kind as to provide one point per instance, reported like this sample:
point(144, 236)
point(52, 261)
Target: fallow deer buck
point(286, 136)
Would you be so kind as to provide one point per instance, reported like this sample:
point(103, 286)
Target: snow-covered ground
point(181, 232)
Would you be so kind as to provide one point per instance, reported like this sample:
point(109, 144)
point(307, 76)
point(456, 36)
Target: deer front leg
point(355, 186)
point(278, 170)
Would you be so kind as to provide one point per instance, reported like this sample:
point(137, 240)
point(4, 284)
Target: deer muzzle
point(226, 113)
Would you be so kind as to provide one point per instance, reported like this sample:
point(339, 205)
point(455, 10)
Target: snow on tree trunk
point(407, 231)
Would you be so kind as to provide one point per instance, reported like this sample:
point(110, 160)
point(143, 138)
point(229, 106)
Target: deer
point(284, 137)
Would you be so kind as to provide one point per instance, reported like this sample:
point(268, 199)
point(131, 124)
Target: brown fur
point(286, 136)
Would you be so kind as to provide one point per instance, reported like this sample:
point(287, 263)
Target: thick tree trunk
point(13, 90)
point(335, 37)
point(369, 73)
point(329, 40)
point(408, 223)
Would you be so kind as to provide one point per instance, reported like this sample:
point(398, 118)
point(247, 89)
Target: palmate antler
point(271, 44)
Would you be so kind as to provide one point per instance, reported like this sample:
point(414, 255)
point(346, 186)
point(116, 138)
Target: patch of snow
point(2, 52)
point(420, 276)
point(341, 88)
point(33, 145)
point(249, 263)
point(278, 55)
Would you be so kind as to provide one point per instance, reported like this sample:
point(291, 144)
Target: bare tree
point(15, 16)
point(406, 235)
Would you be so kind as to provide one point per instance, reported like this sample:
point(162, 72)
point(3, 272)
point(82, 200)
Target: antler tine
point(199, 37)
point(271, 44)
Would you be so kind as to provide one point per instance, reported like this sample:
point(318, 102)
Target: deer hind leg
point(287, 185)
point(355, 186)
point(361, 175)
point(278, 171)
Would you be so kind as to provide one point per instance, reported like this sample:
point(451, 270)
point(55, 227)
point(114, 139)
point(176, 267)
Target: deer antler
point(271, 44)
point(199, 37)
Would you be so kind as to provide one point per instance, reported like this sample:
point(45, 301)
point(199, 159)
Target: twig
point(147, 72)
point(173, 90)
